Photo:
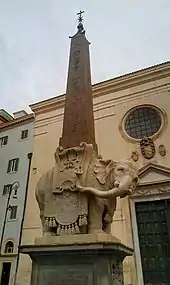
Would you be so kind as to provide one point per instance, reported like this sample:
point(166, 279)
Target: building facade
point(16, 147)
point(132, 114)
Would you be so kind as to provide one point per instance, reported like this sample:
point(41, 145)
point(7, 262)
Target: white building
point(16, 147)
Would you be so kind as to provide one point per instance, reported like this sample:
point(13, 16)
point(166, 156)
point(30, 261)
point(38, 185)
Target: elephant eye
point(121, 169)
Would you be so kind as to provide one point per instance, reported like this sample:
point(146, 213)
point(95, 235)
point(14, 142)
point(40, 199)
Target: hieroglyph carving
point(78, 195)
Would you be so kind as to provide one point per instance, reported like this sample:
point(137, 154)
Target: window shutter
point(5, 140)
point(22, 134)
point(6, 189)
point(16, 164)
point(26, 133)
point(9, 166)
point(13, 212)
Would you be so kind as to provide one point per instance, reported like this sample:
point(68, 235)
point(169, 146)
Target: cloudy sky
point(125, 35)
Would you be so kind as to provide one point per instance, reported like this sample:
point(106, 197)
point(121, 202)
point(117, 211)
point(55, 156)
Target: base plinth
point(77, 260)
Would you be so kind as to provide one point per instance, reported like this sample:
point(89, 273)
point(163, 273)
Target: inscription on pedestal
point(70, 280)
point(65, 276)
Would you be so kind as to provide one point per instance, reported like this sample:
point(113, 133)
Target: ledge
point(75, 243)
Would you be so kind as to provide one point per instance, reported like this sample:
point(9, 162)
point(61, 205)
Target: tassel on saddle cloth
point(50, 222)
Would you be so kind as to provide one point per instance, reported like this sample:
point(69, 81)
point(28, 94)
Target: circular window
point(142, 122)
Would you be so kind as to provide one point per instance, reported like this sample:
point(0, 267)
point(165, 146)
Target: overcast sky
point(125, 35)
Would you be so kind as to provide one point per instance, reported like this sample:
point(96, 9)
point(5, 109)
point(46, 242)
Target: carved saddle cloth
point(66, 209)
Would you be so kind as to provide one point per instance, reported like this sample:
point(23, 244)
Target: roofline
point(4, 114)
point(111, 85)
point(3, 119)
point(138, 72)
point(17, 122)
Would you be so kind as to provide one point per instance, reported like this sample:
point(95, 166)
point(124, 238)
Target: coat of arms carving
point(147, 148)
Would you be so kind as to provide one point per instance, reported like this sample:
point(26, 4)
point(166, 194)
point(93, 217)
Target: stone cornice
point(156, 167)
point(109, 86)
point(105, 105)
point(159, 187)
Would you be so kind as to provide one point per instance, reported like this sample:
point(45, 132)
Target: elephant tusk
point(115, 192)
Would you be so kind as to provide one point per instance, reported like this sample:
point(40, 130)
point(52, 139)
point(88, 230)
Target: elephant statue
point(78, 195)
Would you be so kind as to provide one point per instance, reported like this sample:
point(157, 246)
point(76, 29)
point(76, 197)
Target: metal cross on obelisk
point(78, 124)
point(80, 18)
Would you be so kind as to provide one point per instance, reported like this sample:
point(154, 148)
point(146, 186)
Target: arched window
point(9, 247)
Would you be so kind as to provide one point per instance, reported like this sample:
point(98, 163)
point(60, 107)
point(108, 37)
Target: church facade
point(131, 114)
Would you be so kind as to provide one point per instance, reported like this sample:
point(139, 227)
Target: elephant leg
point(110, 207)
point(83, 229)
point(96, 207)
point(106, 221)
point(107, 228)
point(47, 232)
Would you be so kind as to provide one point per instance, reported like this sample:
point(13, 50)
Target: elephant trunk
point(113, 193)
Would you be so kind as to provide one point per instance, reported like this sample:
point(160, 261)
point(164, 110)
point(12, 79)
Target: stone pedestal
point(77, 260)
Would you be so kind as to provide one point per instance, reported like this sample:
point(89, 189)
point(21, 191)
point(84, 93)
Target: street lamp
point(14, 187)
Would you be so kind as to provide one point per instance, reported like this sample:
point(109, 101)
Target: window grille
point(143, 122)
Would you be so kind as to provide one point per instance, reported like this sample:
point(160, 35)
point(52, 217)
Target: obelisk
point(74, 248)
point(78, 124)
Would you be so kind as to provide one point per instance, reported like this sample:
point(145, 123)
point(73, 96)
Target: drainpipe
point(29, 155)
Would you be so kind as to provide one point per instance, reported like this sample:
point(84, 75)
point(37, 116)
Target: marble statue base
point(77, 260)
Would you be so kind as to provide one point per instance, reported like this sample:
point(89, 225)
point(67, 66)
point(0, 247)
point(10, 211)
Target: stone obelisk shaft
point(78, 125)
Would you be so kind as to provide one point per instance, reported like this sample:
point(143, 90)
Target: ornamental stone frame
point(158, 190)
point(159, 110)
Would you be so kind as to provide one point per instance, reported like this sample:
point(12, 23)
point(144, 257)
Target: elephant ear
point(102, 169)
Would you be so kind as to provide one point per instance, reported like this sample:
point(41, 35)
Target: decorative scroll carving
point(150, 190)
point(117, 273)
